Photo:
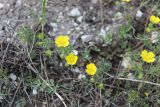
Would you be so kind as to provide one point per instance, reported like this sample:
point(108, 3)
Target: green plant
point(26, 34)
point(41, 85)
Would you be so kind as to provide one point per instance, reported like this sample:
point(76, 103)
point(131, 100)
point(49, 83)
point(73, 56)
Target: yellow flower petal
point(154, 19)
point(143, 53)
point(62, 41)
point(71, 59)
point(148, 57)
point(125, 0)
point(91, 69)
point(151, 54)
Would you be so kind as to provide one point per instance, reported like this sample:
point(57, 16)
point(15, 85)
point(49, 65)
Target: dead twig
point(15, 93)
point(58, 95)
point(134, 80)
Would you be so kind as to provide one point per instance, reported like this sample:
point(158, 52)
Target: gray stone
point(1, 33)
point(74, 12)
point(87, 38)
point(54, 25)
point(139, 14)
point(1, 6)
point(13, 77)
point(94, 1)
point(80, 19)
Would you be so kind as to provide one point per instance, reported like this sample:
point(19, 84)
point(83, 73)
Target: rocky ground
point(87, 21)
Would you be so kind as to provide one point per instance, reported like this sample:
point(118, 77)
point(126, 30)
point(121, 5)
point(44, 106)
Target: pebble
point(154, 37)
point(130, 76)
point(75, 12)
point(75, 52)
point(34, 91)
point(126, 62)
point(13, 77)
point(18, 3)
point(80, 19)
point(54, 25)
point(1, 33)
point(81, 76)
point(1, 6)
point(8, 39)
point(139, 14)
point(102, 33)
point(94, 1)
point(77, 28)
point(77, 70)
point(87, 38)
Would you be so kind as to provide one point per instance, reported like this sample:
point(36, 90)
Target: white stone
point(77, 28)
point(126, 62)
point(54, 25)
point(155, 36)
point(102, 33)
point(81, 33)
point(94, 1)
point(80, 19)
point(1, 6)
point(130, 76)
point(75, 52)
point(87, 38)
point(77, 70)
point(74, 12)
point(18, 3)
point(75, 24)
point(34, 91)
point(1, 33)
point(13, 77)
point(139, 14)
point(81, 76)
point(8, 39)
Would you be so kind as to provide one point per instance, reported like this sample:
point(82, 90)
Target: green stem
point(44, 3)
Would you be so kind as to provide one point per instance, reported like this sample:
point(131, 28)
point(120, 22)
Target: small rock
point(126, 62)
point(77, 70)
point(154, 37)
point(102, 33)
point(81, 76)
point(1, 6)
point(1, 33)
point(94, 1)
point(54, 25)
point(1, 98)
point(34, 91)
point(77, 28)
point(130, 76)
point(13, 77)
point(8, 39)
point(139, 14)
point(18, 3)
point(74, 12)
point(55, 29)
point(81, 33)
point(87, 38)
point(75, 24)
point(80, 19)
point(75, 52)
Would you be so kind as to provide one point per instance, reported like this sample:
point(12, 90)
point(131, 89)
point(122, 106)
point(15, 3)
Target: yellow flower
point(125, 0)
point(62, 41)
point(71, 59)
point(148, 56)
point(154, 19)
point(91, 69)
